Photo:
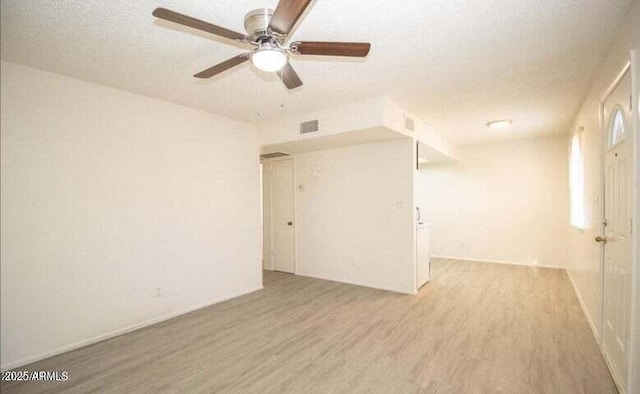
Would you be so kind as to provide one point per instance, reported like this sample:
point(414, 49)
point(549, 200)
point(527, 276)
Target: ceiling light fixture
point(499, 124)
point(269, 57)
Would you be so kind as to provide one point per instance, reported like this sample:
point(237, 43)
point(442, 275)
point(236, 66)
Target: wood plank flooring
point(475, 328)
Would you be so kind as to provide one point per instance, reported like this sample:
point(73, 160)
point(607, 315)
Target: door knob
point(601, 239)
point(289, 223)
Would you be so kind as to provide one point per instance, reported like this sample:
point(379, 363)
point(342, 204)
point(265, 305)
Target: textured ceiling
point(455, 64)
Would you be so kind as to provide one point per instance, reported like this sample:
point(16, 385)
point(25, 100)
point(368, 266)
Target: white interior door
point(282, 216)
point(617, 228)
point(422, 251)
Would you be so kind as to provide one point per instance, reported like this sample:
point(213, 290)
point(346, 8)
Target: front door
point(618, 181)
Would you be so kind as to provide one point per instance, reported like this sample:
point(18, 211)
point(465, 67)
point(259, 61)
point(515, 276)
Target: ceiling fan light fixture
point(269, 57)
point(499, 124)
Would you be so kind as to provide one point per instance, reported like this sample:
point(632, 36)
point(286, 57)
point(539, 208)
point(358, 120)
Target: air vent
point(273, 154)
point(408, 123)
point(309, 127)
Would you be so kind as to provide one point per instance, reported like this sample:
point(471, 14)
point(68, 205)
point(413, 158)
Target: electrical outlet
point(157, 293)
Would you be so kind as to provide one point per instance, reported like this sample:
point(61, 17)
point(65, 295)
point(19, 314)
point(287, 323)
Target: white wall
point(354, 222)
point(503, 202)
point(584, 263)
point(331, 121)
point(108, 195)
point(394, 119)
point(368, 117)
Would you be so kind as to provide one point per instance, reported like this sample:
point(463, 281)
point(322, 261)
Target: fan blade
point(289, 77)
point(350, 49)
point(287, 14)
point(185, 20)
point(218, 68)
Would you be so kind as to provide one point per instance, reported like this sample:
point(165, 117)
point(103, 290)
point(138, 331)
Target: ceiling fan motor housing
point(256, 23)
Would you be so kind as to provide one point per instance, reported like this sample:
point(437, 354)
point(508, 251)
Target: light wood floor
point(475, 328)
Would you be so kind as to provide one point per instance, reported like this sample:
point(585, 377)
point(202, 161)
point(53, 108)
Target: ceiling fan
point(267, 31)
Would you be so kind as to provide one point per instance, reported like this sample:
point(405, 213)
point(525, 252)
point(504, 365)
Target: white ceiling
point(455, 64)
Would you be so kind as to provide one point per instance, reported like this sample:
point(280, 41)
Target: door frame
point(265, 220)
point(633, 383)
point(603, 154)
point(632, 67)
point(295, 211)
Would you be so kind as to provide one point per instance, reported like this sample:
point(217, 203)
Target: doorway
point(279, 214)
point(616, 243)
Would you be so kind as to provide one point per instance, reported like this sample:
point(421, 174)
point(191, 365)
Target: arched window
point(617, 127)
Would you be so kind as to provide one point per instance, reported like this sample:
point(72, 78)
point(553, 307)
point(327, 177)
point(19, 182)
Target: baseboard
point(402, 291)
point(617, 379)
point(115, 333)
point(498, 262)
point(594, 328)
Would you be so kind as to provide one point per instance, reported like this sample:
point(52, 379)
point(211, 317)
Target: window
point(616, 129)
point(576, 182)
